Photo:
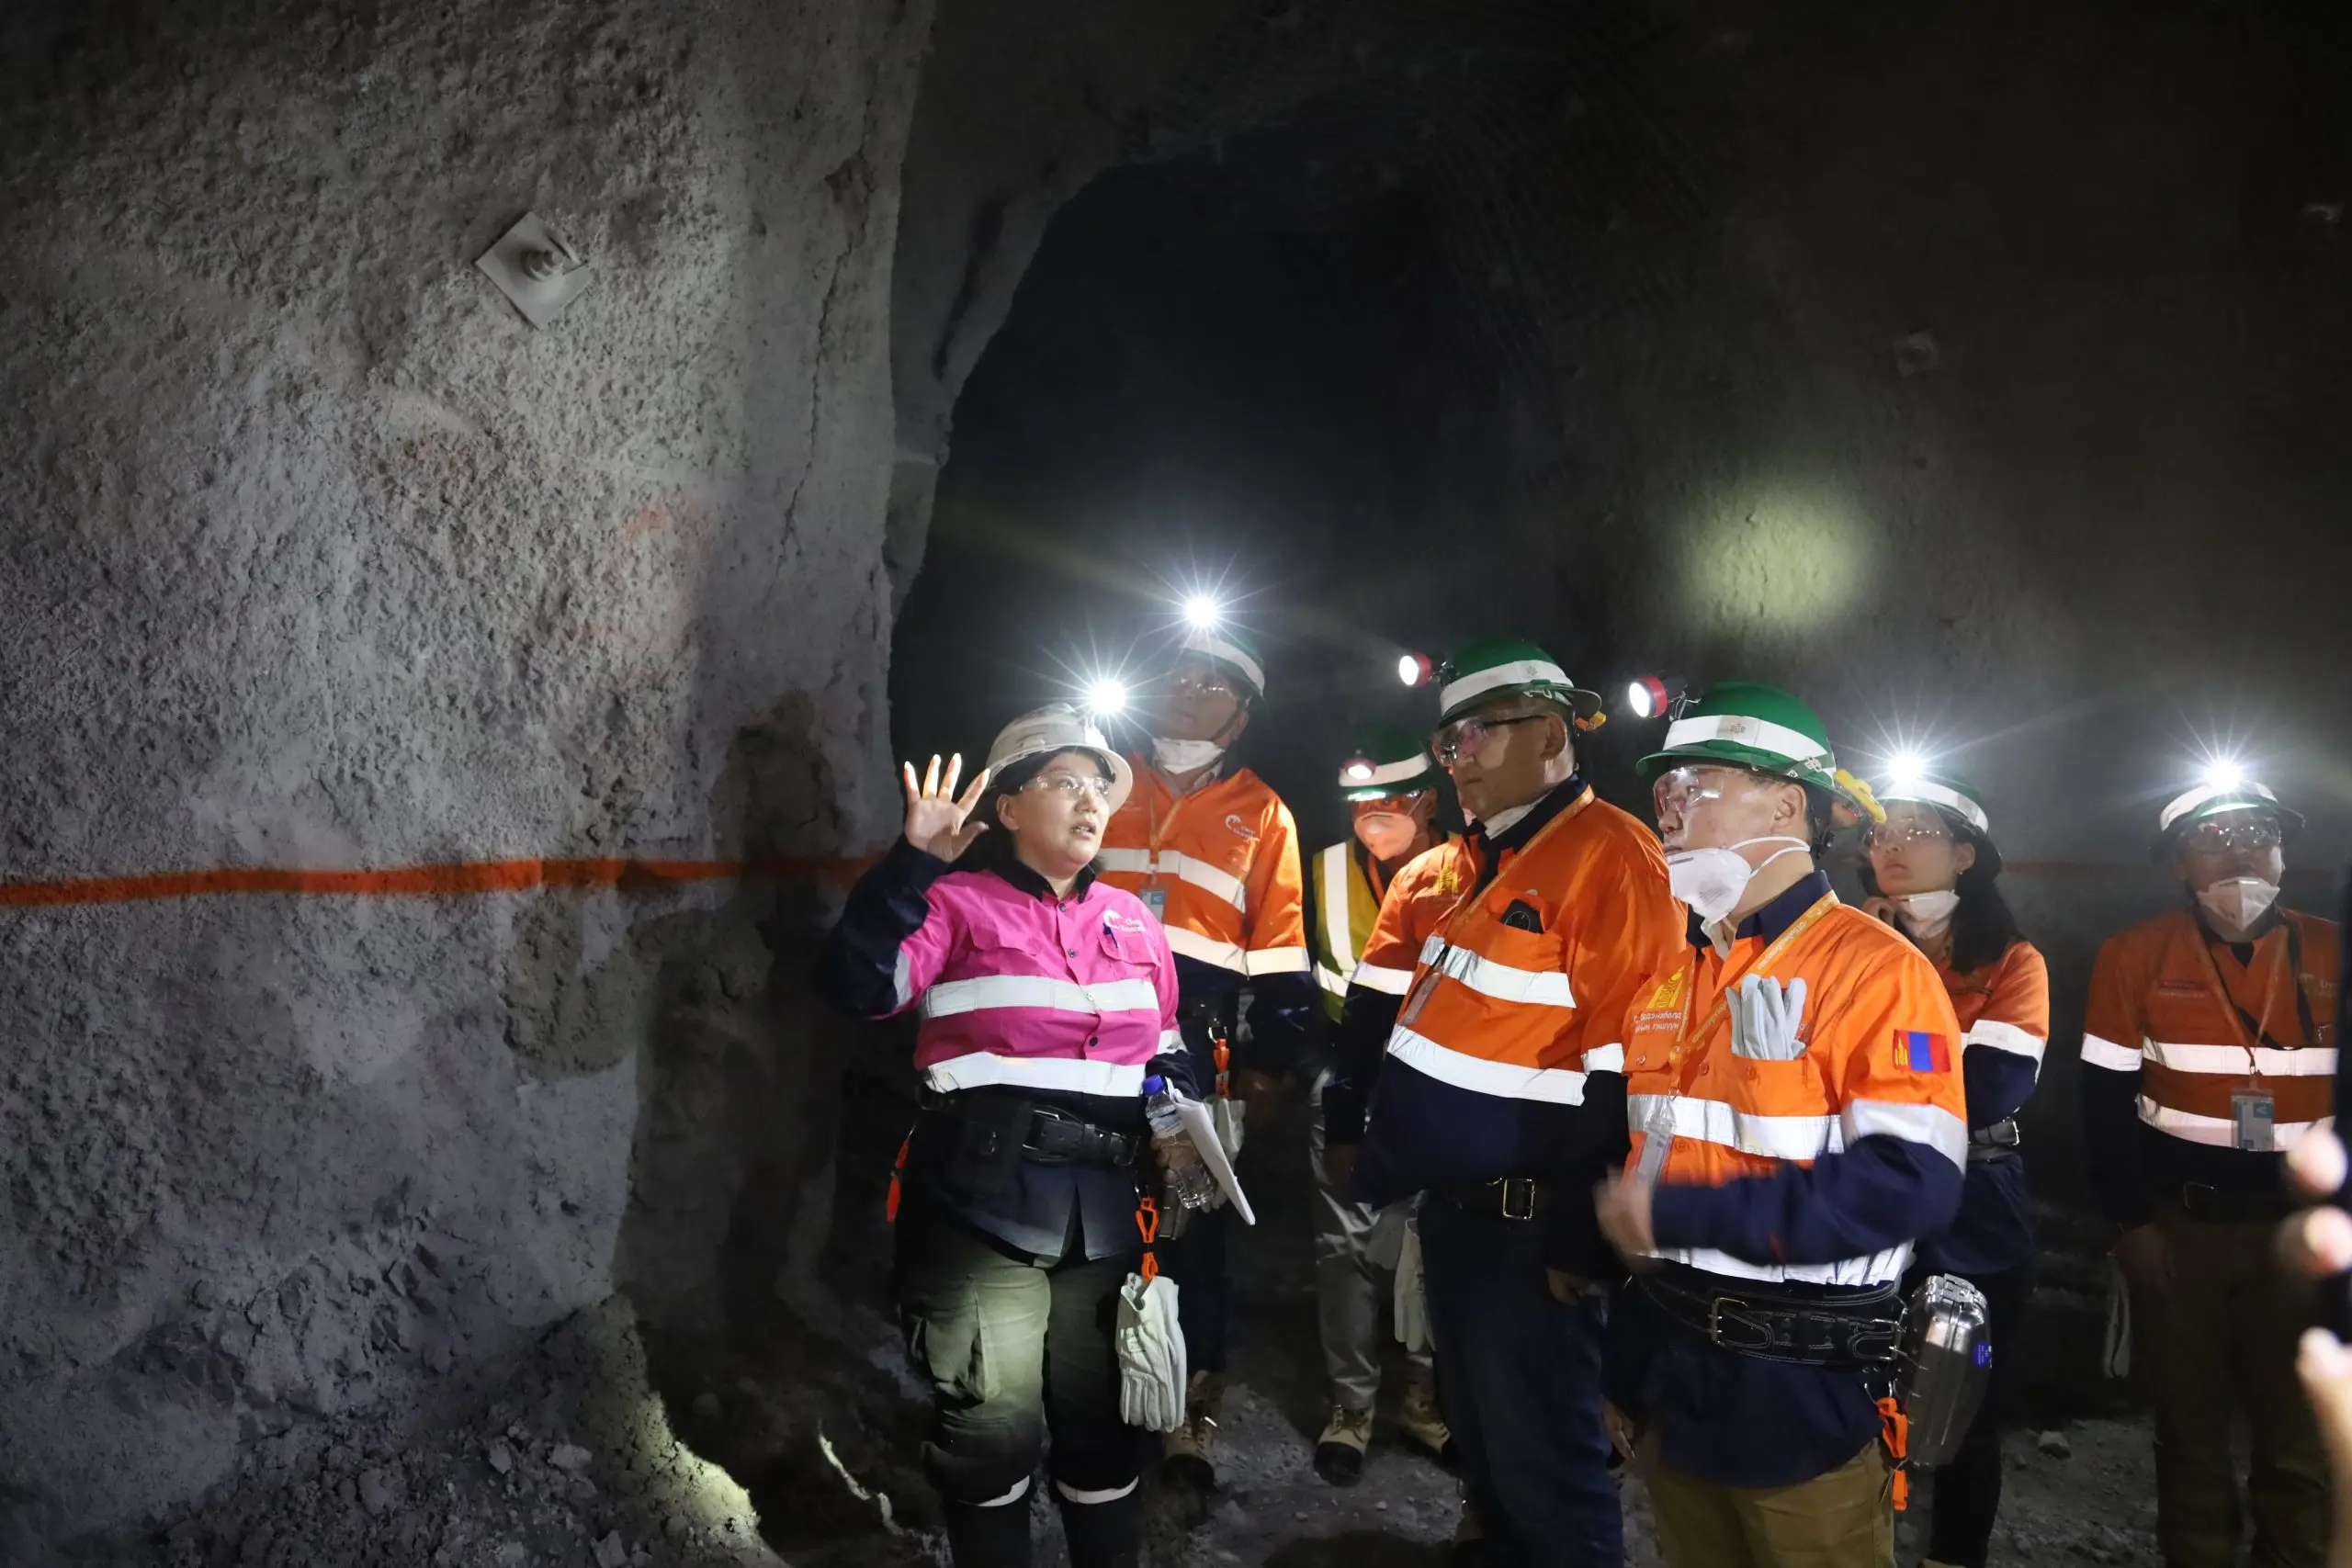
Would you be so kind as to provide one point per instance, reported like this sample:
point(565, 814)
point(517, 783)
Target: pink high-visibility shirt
point(1072, 995)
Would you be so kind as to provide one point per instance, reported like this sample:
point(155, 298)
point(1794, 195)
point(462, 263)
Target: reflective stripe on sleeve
point(1204, 949)
point(1185, 868)
point(1275, 961)
point(952, 997)
point(1718, 1122)
point(2098, 1053)
point(902, 978)
point(1609, 1058)
point(1929, 1125)
point(2310, 1061)
point(984, 1069)
point(1875, 1269)
point(2005, 1037)
point(1373, 977)
point(1536, 988)
point(1504, 1080)
point(2220, 1131)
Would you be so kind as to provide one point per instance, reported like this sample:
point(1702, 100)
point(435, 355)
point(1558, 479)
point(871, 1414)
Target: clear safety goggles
point(2219, 835)
point(1070, 786)
point(1472, 735)
point(1391, 805)
point(1678, 793)
point(1907, 824)
point(1203, 685)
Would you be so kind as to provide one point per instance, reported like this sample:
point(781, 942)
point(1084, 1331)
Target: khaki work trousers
point(2223, 1341)
point(1844, 1518)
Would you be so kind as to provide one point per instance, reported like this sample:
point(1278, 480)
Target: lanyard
point(2259, 1027)
point(1151, 818)
point(1463, 905)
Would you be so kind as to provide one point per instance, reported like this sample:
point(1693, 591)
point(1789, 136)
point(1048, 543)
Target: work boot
point(1420, 1418)
point(1339, 1452)
point(1191, 1449)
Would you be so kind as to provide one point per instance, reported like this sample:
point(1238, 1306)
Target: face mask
point(2239, 902)
point(1926, 916)
point(1711, 881)
point(1184, 756)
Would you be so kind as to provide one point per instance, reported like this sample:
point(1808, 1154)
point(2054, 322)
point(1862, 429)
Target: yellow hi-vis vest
point(1342, 906)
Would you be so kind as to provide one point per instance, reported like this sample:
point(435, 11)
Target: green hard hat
point(2213, 798)
point(1503, 667)
point(1390, 762)
point(1952, 794)
point(1223, 646)
point(1749, 725)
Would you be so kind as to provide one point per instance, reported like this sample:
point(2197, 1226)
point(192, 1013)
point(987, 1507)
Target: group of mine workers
point(1657, 1128)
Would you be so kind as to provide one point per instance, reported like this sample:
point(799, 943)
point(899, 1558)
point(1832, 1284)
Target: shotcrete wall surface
point(314, 554)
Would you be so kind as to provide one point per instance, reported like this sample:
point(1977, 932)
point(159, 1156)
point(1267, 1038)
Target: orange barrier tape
point(460, 877)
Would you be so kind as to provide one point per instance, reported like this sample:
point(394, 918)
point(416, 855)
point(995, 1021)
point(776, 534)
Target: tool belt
point(1842, 1333)
point(970, 1144)
point(1995, 1141)
point(2227, 1205)
point(1512, 1197)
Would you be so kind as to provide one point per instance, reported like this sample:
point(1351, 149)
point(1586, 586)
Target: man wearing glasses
point(1518, 993)
point(1390, 785)
point(1213, 853)
point(2208, 1050)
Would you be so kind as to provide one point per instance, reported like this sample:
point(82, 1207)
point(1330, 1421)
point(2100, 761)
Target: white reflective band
point(1216, 647)
point(2220, 1132)
point(1937, 794)
point(985, 1069)
point(1537, 987)
point(2184, 803)
point(902, 978)
point(2006, 1037)
point(1331, 979)
point(1204, 949)
point(1931, 1124)
point(1108, 1494)
point(2098, 1053)
point(1607, 1058)
point(1876, 1269)
point(1375, 977)
point(952, 997)
point(1518, 673)
point(1184, 868)
point(1716, 1122)
point(1170, 1042)
point(1333, 874)
point(1276, 961)
point(1504, 1080)
point(2311, 1061)
point(1742, 730)
point(1020, 1490)
point(1385, 773)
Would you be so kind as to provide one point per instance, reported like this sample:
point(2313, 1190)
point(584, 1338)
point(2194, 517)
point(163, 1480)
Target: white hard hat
point(1059, 726)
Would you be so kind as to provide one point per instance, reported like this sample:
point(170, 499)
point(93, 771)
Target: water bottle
point(1189, 1184)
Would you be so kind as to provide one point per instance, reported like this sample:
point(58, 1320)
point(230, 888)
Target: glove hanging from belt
point(1842, 1332)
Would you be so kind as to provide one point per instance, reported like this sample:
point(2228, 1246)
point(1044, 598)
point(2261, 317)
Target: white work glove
point(1410, 1305)
point(1764, 1019)
point(1385, 1243)
point(1229, 1115)
point(1150, 1346)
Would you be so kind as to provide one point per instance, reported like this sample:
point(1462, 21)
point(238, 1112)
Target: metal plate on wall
point(534, 268)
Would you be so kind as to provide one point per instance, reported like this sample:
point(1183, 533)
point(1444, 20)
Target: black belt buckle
point(1757, 1336)
point(1524, 1188)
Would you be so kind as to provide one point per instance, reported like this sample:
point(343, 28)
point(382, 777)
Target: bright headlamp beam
point(2224, 772)
point(1906, 768)
point(1106, 697)
point(1202, 612)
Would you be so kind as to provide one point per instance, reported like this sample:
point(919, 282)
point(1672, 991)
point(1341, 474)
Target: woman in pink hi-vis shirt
point(1047, 998)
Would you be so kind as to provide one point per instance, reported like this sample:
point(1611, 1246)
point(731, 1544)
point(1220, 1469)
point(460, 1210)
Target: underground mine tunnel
point(491, 495)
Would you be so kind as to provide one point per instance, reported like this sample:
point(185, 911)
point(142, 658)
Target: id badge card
point(1657, 1143)
point(1417, 1000)
point(1156, 900)
point(2251, 1120)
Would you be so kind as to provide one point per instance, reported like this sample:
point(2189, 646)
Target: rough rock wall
point(313, 554)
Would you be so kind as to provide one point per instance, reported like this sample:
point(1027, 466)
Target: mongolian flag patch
point(1922, 1052)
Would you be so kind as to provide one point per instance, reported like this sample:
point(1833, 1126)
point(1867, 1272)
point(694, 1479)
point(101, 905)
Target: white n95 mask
point(2239, 901)
point(1184, 756)
point(1711, 881)
point(1926, 916)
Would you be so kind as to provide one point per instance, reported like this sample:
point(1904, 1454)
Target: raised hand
point(939, 822)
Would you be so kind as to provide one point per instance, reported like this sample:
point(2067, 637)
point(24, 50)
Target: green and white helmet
point(1749, 725)
point(2213, 798)
point(1391, 762)
point(1502, 667)
point(1232, 652)
point(1952, 794)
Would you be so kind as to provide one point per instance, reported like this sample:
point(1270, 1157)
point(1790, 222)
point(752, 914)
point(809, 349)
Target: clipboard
point(1202, 1129)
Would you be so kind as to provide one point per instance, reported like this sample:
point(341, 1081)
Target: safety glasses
point(2212, 837)
point(1472, 733)
point(1070, 786)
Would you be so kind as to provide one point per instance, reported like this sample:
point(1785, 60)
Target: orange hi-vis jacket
point(1881, 1059)
point(1516, 995)
point(2184, 1031)
point(1219, 865)
point(2004, 1012)
point(1419, 897)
